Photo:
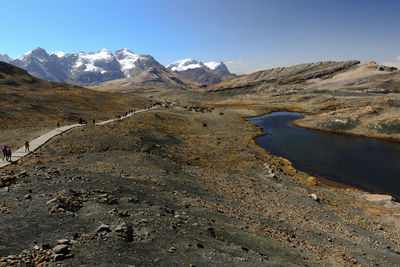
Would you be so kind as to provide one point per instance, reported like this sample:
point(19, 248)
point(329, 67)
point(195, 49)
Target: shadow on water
point(371, 164)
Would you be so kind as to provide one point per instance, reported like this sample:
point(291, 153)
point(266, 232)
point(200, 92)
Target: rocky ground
point(184, 186)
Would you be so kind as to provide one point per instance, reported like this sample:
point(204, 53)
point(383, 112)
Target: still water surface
point(371, 164)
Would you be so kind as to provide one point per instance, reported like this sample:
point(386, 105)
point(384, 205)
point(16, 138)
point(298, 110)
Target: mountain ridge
point(94, 68)
point(208, 73)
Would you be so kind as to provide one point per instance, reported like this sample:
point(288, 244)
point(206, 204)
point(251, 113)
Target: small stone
point(28, 196)
point(171, 249)
point(51, 200)
point(199, 245)
point(63, 241)
point(103, 228)
point(61, 249)
point(36, 247)
point(314, 197)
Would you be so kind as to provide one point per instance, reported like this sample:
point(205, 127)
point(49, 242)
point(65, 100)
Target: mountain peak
point(5, 58)
point(213, 65)
point(185, 64)
point(37, 52)
point(125, 51)
point(207, 73)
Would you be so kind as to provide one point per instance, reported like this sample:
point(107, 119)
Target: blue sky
point(247, 35)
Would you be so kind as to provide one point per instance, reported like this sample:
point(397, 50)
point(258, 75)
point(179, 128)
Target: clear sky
point(247, 35)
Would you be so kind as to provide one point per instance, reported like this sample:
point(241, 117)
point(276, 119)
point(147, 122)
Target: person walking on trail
point(58, 124)
point(80, 120)
point(4, 150)
point(94, 121)
point(8, 154)
point(26, 146)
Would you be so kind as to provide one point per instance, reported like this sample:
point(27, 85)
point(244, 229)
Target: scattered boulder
point(314, 197)
point(63, 241)
point(171, 249)
point(61, 249)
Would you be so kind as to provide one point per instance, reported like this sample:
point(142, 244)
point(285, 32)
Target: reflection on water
point(369, 163)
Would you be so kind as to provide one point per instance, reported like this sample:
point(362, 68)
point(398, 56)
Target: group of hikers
point(124, 114)
point(7, 151)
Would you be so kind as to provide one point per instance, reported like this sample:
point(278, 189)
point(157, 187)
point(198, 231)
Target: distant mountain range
point(205, 73)
point(95, 68)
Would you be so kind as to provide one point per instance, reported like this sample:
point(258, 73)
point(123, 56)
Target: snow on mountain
point(5, 58)
point(126, 59)
point(197, 71)
point(59, 54)
point(25, 55)
point(96, 67)
point(213, 65)
point(84, 68)
point(91, 61)
point(185, 64)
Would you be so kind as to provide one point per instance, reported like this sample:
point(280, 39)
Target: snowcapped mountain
point(185, 64)
point(206, 73)
point(91, 68)
point(5, 58)
point(84, 68)
point(133, 64)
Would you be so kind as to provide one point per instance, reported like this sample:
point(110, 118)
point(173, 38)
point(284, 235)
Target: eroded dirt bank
point(178, 187)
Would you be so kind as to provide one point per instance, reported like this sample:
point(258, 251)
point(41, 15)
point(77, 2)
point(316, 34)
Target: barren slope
point(154, 79)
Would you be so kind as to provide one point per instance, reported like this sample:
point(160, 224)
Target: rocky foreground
point(177, 187)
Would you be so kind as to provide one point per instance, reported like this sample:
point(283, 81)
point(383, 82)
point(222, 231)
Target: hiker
point(8, 154)
point(4, 152)
point(94, 121)
point(26, 146)
point(58, 124)
point(80, 120)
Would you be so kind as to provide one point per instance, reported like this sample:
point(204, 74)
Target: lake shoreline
point(330, 181)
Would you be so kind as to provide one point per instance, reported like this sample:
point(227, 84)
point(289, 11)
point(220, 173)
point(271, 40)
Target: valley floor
point(173, 187)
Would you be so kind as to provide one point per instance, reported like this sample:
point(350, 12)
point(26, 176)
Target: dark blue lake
point(368, 163)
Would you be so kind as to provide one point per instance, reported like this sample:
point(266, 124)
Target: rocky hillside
point(27, 100)
point(289, 75)
point(204, 73)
